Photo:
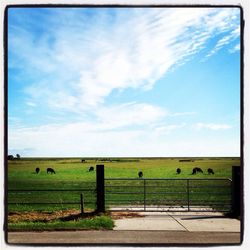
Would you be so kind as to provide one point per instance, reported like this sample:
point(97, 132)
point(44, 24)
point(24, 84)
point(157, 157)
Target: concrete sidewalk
point(179, 221)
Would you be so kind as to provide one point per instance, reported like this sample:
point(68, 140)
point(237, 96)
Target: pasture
point(73, 176)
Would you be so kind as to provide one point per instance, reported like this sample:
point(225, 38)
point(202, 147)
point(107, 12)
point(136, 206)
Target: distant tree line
point(84, 160)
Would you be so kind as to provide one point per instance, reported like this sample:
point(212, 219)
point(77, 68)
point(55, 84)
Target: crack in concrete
point(178, 222)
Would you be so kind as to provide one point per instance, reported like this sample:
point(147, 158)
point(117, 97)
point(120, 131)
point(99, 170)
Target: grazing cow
point(10, 157)
point(50, 170)
point(83, 160)
point(37, 170)
point(178, 170)
point(199, 170)
point(210, 171)
point(91, 169)
point(140, 174)
point(194, 171)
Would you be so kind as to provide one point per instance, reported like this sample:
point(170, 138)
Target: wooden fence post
point(100, 188)
point(82, 204)
point(236, 191)
point(188, 195)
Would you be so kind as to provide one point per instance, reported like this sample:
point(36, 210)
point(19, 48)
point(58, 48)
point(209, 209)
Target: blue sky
point(124, 81)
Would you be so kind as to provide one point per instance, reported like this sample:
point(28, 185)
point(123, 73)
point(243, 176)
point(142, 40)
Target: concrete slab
point(179, 221)
point(155, 223)
point(208, 223)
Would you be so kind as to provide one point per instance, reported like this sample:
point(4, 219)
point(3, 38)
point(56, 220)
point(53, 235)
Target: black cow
point(199, 170)
point(50, 170)
point(140, 174)
point(37, 170)
point(194, 171)
point(10, 157)
point(210, 171)
point(178, 170)
point(83, 160)
point(91, 169)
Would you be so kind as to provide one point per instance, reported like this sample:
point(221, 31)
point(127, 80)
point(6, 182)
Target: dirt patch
point(121, 215)
point(40, 216)
point(66, 215)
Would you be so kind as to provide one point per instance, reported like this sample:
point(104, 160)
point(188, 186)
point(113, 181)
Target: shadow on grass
point(85, 215)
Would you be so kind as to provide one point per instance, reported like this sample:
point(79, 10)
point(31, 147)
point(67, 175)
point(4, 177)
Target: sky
point(128, 82)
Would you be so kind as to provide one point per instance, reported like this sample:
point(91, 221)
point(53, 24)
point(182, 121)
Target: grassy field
point(73, 174)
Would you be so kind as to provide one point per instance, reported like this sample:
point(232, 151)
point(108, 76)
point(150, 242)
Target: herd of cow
point(197, 170)
point(49, 170)
point(52, 171)
point(140, 173)
point(178, 171)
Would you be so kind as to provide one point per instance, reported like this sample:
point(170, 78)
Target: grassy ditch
point(60, 220)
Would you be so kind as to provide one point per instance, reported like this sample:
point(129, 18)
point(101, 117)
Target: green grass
point(95, 223)
point(71, 173)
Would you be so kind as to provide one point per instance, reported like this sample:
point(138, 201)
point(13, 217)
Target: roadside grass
point(102, 222)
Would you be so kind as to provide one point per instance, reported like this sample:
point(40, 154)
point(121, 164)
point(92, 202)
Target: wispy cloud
point(31, 104)
point(166, 129)
point(212, 126)
point(128, 114)
point(235, 48)
point(224, 41)
point(81, 61)
point(182, 114)
point(83, 139)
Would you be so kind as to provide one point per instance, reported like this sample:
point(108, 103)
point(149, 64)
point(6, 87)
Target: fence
point(51, 199)
point(168, 194)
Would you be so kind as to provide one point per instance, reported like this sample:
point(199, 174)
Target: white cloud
point(82, 60)
point(181, 113)
point(166, 129)
point(129, 114)
point(235, 48)
point(225, 40)
point(32, 104)
point(212, 126)
point(83, 140)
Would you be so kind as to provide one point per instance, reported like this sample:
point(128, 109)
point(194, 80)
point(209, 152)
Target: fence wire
point(168, 194)
point(50, 199)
